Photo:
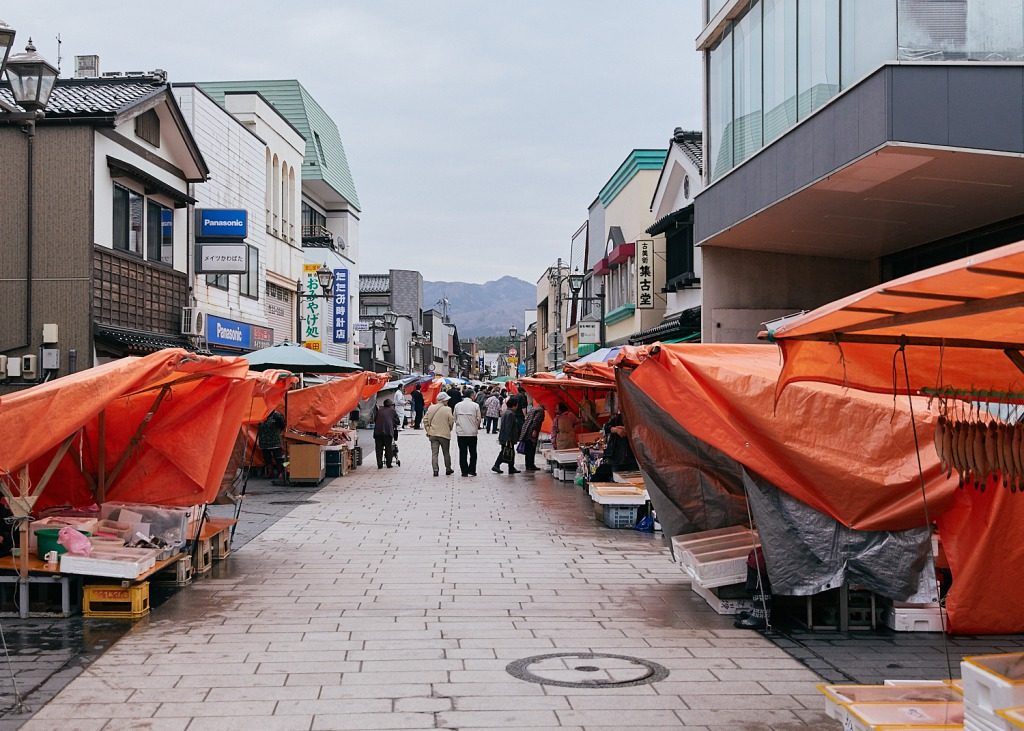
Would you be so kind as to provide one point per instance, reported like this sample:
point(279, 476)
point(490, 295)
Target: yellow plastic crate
point(116, 602)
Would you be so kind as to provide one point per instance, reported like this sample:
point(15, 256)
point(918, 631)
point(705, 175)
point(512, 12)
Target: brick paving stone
point(395, 600)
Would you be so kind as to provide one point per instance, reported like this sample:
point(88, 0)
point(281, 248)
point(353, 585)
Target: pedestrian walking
point(454, 396)
point(480, 397)
point(400, 401)
point(417, 406)
point(492, 410)
point(563, 428)
point(467, 427)
point(507, 434)
point(438, 422)
point(385, 431)
point(530, 435)
point(268, 437)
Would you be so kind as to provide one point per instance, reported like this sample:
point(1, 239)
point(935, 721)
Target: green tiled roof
point(636, 161)
point(326, 161)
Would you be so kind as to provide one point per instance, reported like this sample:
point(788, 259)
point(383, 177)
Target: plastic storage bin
point(993, 682)
point(839, 696)
point(872, 716)
point(617, 516)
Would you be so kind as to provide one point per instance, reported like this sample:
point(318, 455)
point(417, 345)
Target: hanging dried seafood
point(981, 450)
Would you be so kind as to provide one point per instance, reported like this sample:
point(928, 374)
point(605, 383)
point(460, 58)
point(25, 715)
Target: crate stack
point(716, 561)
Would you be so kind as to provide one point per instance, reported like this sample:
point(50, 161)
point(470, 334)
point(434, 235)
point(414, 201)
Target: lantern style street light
point(576, 285)
point(32, 78)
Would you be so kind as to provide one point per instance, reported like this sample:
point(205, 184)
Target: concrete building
point(680, 268)
point(400, 291)
point(553, 308)
point(617, 220)
point(255, 309)
point(105, 258)
point(328, 220)
point(848, 142)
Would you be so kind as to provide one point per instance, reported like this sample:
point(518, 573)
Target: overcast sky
point(478, 132)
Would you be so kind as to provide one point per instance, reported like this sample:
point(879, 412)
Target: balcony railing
point(131, 293)
point(314, 233)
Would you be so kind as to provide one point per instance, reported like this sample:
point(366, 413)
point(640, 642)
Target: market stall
point(954, 332)
point(124, 433)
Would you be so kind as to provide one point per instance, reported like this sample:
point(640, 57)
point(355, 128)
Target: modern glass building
point(848, 142)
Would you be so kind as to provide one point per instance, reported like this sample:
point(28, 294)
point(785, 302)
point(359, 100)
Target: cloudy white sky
point(478, 132)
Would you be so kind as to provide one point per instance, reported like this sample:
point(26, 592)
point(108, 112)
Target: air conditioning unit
point(193, 321)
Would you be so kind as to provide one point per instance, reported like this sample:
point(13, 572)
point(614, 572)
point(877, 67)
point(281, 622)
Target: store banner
point(235, 334)
point(312, 309)
point(588, 332)
point(645, 274)
point(217, 224)
point(341, 305)
point(221, 259)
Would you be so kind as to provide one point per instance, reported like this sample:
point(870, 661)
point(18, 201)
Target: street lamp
point(324, 278)
point(576, 284)
point(387, 322)
point(32, 80)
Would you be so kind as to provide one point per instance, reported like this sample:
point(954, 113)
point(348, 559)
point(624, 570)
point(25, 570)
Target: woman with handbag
point(507, 433)
point(530, 436)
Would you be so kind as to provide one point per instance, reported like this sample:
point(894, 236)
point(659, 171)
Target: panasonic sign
point(219, 224)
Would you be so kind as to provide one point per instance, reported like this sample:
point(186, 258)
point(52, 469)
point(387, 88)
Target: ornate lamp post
point(576, 285)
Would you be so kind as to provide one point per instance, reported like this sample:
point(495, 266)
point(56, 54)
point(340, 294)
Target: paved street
point(395, 600)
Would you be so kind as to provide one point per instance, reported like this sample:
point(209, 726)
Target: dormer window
point(147, 127)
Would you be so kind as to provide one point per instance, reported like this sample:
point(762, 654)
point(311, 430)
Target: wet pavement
point(393, 599)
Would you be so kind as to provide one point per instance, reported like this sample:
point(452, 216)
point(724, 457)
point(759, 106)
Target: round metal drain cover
point(586, 670)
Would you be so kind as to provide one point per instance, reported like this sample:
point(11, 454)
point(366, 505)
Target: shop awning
point(960, 324)
point(158, 429)
point(137, 342)
point(318, 408)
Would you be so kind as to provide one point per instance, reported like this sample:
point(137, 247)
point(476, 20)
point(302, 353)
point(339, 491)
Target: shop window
point(128, 217)
point(159, 233)
point(147, 127)
point(620, 289)
point(249, 282)
point(218, 281)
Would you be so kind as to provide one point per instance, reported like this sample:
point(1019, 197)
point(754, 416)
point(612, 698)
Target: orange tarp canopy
point(957, 321)
point(847, 454)
point(318, 408)
point(168, 423)
point(549, 392)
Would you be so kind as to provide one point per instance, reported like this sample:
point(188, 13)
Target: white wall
point(237, 178)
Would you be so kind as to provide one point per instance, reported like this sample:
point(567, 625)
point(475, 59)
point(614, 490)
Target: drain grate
point(587, 670)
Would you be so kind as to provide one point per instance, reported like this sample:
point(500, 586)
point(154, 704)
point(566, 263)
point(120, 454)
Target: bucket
point(46, 538)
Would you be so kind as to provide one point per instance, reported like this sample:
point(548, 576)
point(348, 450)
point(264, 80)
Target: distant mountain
point(483, 309)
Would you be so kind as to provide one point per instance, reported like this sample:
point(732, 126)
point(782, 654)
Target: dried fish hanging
point(981, 446)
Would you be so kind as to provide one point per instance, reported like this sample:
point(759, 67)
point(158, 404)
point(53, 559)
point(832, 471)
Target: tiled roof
point(94, 97)
point(325, 154)
point(691, 145)
point(374, 283)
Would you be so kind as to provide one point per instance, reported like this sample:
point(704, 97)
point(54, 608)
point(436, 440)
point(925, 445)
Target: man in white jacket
point(438, 422)
point(467, 425)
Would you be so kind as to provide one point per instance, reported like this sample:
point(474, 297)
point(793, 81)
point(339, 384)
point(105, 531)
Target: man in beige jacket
point(438, 422)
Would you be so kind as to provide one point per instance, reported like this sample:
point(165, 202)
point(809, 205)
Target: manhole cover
point(586, 670)
point(292, 502)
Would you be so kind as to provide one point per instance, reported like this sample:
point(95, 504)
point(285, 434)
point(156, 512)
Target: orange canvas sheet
point(845, 453)
point(318, 408)
point(549, 392)
point(956, 320)
point(169, 420)
point(269, 393)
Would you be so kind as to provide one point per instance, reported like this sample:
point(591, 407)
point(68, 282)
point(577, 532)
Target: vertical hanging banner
point(311, 308)
point(341, 305)
point(645, 275)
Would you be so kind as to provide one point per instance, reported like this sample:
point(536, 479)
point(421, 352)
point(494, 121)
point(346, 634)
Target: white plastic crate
point(684, 542)
point(993, 682)
point(124, 564)
point(719, 568)
point(873, 716)
point(976, 719)
point(721, 605)
point(618, 516)
point(1013, 716)
point(914, 619)
point(695, 552)
point(837, 697)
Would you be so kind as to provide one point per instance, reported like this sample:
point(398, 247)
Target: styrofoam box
point(682, 542)
point(992, 682)
point(125, 563)
point(719, 568)
point(1013, 716)
point(720, 605)
point(871, 716)
point(695, 552)
point(564, 456)
point(837, 696)
point(978, 719)
point(914, 619)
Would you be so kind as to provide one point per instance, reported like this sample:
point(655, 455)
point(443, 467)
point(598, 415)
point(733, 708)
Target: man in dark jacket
point(417, 406)
point(269, 439)
point(530, 435)
point(385, 429)
point(507, 433)
point(454, 396)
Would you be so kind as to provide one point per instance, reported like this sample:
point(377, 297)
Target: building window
point(249, 283)
point(159, 233)
point(817, 54)
point(277, 292)
point(720, 111)
point(147, 127)
point(218, 281)
point(319, 148)
point(779, 67)
point(619, 283)
point(374, 310)
point(128, 218)
point(747, 85)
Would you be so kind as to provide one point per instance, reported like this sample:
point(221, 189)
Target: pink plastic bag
point(74, 541)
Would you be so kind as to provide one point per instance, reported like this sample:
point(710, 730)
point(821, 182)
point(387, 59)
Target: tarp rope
point(924, 502)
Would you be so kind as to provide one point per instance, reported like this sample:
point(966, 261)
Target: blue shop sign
point(340, 305)
point(221, 223)
point(234, 334)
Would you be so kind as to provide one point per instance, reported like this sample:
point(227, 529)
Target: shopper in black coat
point(511, 425)
point(385, 429)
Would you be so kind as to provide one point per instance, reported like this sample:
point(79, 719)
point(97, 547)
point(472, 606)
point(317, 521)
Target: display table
point(41, 572)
